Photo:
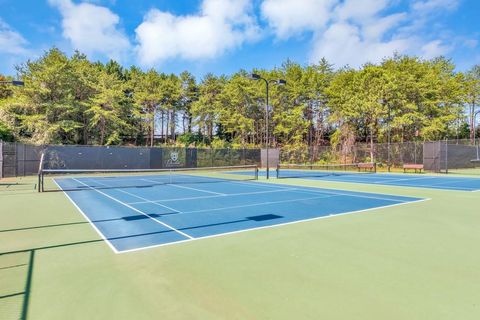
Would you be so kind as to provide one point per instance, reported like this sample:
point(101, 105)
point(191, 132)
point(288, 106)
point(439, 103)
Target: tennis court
point(394, 250)
point(389, 179)
point(144, 211)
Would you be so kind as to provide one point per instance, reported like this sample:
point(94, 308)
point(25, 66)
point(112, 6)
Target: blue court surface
point(133, 217)
point(390, 179)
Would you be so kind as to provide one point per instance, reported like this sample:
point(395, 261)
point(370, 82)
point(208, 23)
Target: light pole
point(389, 138)
point(255, 76)
point(382, 101)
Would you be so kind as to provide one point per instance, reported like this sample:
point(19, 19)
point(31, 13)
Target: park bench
point(366, 166)
point(412, 166)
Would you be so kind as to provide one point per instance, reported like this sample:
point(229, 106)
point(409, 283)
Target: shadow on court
point(17, 267)
point(16, 275)
point(15, 296)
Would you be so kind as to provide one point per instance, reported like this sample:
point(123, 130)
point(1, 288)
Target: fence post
point(414, 152)
point(388, 155)
point(1, 159)
point(24, 158)
point(446, 156)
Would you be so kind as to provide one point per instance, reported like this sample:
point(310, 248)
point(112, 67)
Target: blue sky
point(223, 36)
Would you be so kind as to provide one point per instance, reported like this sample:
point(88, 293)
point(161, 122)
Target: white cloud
point(360, 10)
point(92, 29)
point(359, 33)
point(434, 49)
point(423, 6)
point(342, 43)
point(219, 26)
point(345, 32)
point(290, 17)
point(11, 42)
point(376, 28)
point(354, 32)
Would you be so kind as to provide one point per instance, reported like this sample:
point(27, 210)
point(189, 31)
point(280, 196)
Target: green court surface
point(470, 171)
point(416, 261)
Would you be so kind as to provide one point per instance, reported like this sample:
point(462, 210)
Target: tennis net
point(306, 170)
point(73, 180)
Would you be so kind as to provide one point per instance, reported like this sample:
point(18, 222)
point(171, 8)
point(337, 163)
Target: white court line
point(257, 204)
point(224, 208)
point(136, 210)
point(134, 195)
point(433, 186)
point(402, 179)
point(270, 226)
point(307, 189)
point(426, 186)
point(321, 190)
point(245, 230)
point(189, 188)
point(210, 197)
point(88, 219)
point(447, 182)
point(353, 195)
point(386, 183)
point(258, 184)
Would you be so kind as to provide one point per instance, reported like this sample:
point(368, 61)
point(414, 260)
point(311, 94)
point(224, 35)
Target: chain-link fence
point(227, 157)
point(452, 156)
point(387, 156)
point(447, 156)
point(17, 159)
point(391, 156)
point(299, 154)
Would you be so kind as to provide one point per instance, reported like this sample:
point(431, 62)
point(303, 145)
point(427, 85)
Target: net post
point(40, 173)
point(277, 170)
point(256, 172)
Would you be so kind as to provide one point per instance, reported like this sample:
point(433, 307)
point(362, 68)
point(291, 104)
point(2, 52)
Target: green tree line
point(71, 100)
